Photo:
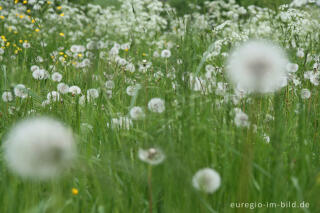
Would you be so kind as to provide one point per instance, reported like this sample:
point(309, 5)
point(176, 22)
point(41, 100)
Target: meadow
point(143, 78)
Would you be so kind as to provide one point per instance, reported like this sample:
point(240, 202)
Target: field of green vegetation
point(159, 106)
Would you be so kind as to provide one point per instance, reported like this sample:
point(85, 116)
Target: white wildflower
point(121, 123)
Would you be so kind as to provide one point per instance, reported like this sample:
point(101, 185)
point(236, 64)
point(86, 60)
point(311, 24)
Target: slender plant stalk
point(150, 188)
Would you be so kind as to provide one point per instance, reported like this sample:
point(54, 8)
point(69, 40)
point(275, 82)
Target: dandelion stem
point(150, 188)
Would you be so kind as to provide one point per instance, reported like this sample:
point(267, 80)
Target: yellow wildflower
point(75, 191)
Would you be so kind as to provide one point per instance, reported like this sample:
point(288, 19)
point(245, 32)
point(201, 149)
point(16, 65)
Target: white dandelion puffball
point(133, 90)
point(137, 113)
point(39, 148)
point(298, 3)
point(241, 119)
point(63, 88)
point(292, 67)
point(109, 84)
point(305, 94)
point(156, 105)
point(53, 96)
point(75, 90)
point(165, 53)
point(34, 68)
point(152, 156)
point(7, 96)
point(20, 91)
point(258, 66)
point(39, 74)
point(92, 94)
point(56, 77)
point(130, 67)
point(206, 180)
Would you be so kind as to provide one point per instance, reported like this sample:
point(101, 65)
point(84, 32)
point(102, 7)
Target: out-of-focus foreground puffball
point(258, 67)
point(39, 148)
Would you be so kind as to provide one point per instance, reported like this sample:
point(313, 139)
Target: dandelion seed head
point(258, 66)
point(137, 113)
point(152, 156)
point(206, 180)
point(305, 94)
point(241, 119)
point(34, 68)
point(92, 94)
point(109, 84)
point(39, 74)
point(156, 105)
point(57, 77)
point(63, 88)
point(7, 96)
point(75, 90)
point(39, 148)
point(20, 91)
point(291, 67)
point(53, 96)
point(132, 90)
point(165, 53)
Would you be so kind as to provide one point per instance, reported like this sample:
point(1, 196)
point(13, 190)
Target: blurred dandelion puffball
point(152, 156)
point(39, 148)
point(258, 67)
point(156, 105)
point(206, 180)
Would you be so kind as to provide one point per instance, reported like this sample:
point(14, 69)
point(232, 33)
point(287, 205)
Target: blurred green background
point(182, 5)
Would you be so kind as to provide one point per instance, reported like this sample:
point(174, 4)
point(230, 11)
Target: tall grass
point(194, 132)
